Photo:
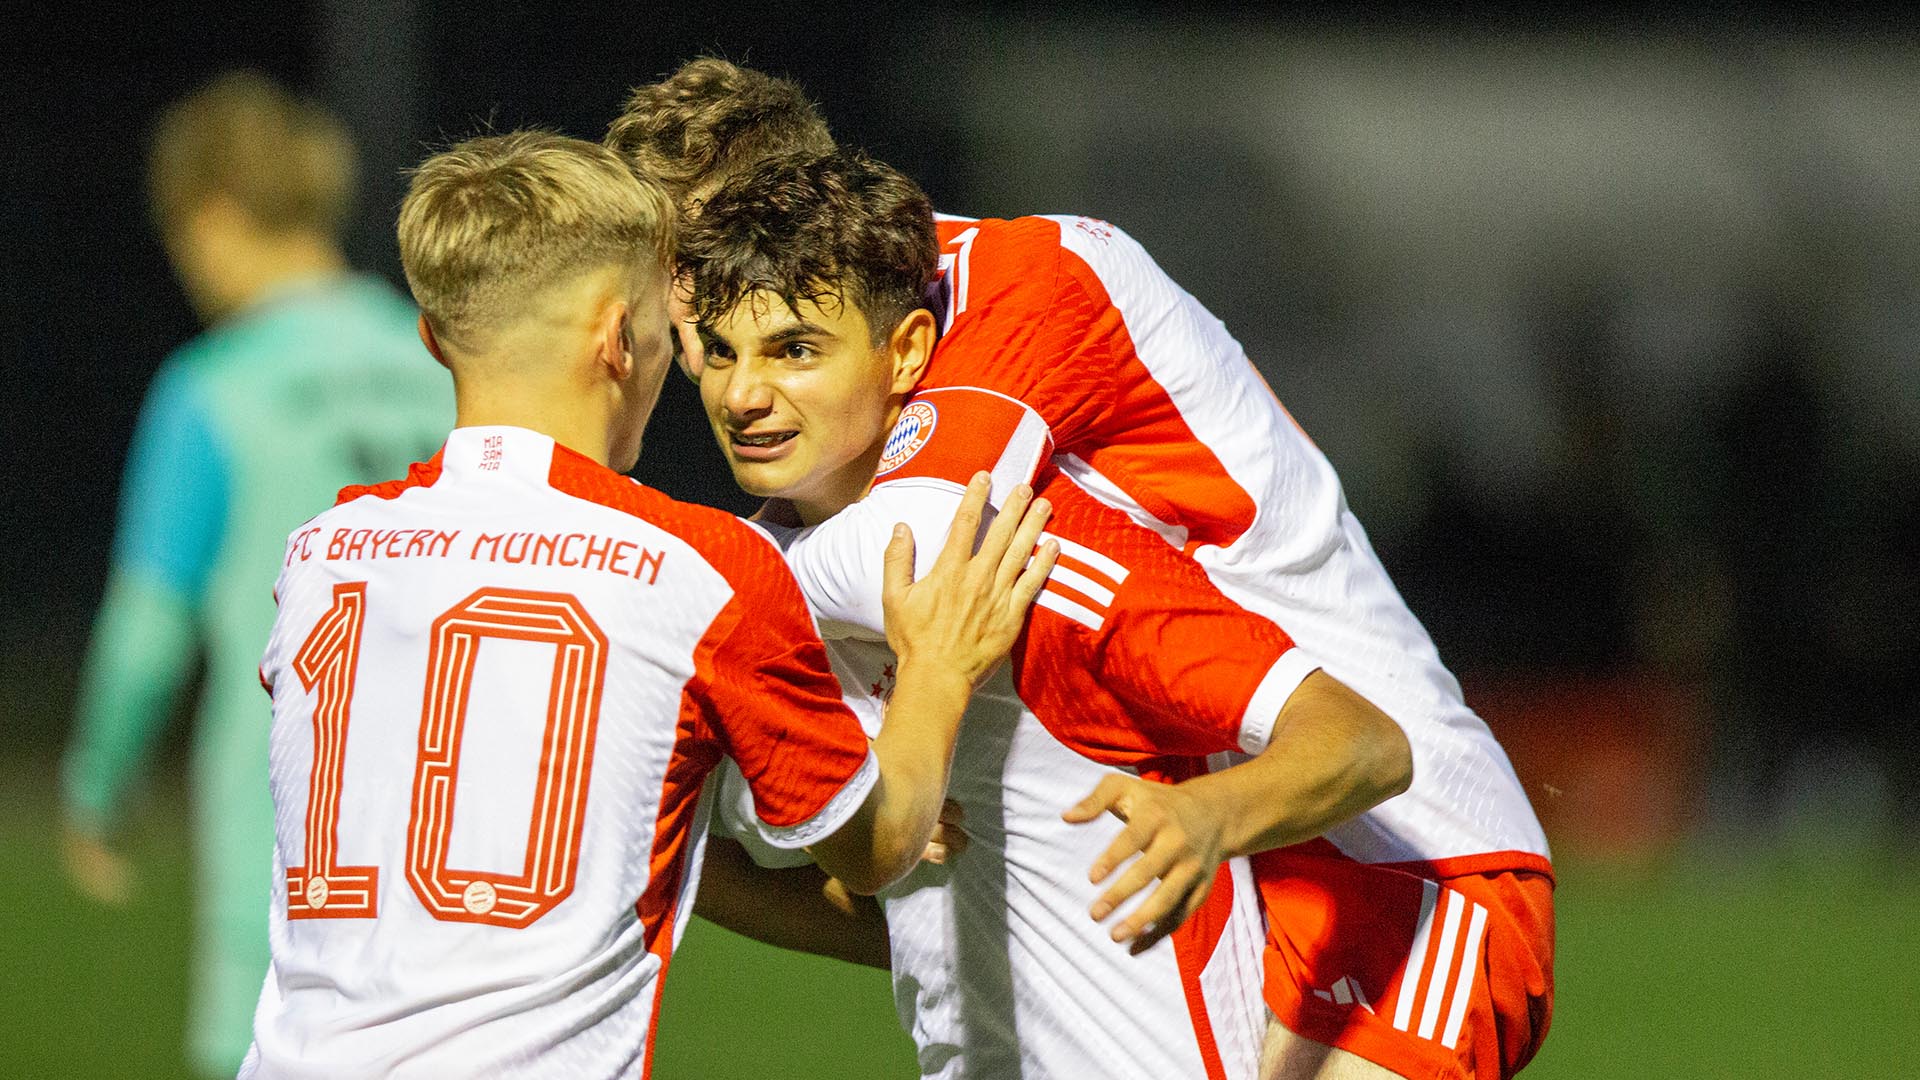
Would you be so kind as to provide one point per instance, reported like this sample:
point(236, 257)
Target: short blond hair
point(489, 224)
point(285, 161)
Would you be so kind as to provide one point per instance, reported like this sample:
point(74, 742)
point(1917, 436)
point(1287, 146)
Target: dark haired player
point(1218, 600)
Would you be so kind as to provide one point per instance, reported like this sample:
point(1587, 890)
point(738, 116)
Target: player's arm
point(865, 809)
point(783, 898)
point(796, 907)
point(1332, 756)
point(172, 513)
point(1150, 664)
point(947, 630)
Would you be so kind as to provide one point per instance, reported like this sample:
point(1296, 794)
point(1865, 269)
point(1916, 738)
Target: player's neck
point(274, 263)
point(570, 419)
point(838, 490)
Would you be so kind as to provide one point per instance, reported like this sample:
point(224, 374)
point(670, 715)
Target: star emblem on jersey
point(911, 432)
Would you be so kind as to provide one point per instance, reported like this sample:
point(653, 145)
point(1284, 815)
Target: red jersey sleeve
point(1132, 653)
point(769, 695)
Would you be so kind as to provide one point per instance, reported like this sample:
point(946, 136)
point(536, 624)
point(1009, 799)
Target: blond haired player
point(1216, 600)
point(500, 684)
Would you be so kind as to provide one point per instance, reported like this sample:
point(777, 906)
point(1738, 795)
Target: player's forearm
point(947, 630)
point(798, 908)
point(915, 750)
point(1333, 756)
point(139, 656)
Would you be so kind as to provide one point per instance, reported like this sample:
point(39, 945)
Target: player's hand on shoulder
point(1180, 843)
point(965, 614)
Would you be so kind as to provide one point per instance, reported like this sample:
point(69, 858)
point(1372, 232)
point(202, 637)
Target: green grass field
point(1761, 968)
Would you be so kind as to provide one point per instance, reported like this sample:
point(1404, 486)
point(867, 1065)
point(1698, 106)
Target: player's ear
point(688, 351)
point(432, 343)
point(909, 348)
point(614, 351)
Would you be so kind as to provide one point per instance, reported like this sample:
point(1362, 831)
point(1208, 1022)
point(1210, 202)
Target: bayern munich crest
point(911, 433)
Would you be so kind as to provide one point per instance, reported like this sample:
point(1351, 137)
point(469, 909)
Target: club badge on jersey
point(912, 431)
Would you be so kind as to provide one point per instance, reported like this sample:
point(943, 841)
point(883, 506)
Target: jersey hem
point(851, 796)
point(1485, 863)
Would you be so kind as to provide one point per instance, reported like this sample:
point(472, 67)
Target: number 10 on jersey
point(325, 888)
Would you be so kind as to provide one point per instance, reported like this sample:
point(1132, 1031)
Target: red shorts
point(1432, 971)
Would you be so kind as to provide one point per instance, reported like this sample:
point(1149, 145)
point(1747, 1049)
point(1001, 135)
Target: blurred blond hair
point(285, 161)
point(490, 224)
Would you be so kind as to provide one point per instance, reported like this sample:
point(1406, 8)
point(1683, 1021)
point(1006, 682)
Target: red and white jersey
point(1209, 560)
point(998, 970)
point(498, 687)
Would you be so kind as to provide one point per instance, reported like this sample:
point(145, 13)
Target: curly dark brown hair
point(839, 225)
point(710, 119)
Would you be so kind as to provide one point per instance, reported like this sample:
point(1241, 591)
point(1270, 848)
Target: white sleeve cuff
point(734, 819)
point(841, 807)
point(1282, 679)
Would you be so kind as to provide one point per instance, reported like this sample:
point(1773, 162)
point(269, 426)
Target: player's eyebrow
point(796, 331)
point(792, 331)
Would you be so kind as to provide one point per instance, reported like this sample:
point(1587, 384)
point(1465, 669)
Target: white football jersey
point(498, 687)
point(1209, 561)
point(998, 967)
point(1208, 564)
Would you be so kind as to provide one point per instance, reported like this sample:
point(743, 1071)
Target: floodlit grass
point(1773, 966)
point(1758, 968)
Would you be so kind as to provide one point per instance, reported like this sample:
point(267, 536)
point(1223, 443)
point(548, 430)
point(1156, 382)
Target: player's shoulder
point(732, 546)
point(386, 322)
point(232, 347)
point(179, 390)
point(1009, 266)
point(194, 361)
point(1041, 261)
point(421, 474)
point(1027, 237)
point(1032, 233)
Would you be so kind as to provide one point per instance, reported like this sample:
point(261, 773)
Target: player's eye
point(798, 350)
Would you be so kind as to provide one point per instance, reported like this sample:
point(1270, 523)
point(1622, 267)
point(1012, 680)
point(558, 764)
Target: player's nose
point(748, 394)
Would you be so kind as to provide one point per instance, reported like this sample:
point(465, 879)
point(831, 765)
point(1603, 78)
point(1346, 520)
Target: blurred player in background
point(1416, 937)
point(491, 882)
point(308, 378)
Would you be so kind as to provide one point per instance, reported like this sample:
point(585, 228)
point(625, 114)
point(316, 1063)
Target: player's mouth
point(761, 445)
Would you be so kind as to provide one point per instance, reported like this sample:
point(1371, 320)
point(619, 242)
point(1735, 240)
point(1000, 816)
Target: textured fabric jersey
point(1157, 427)
point(998, 970)
point(246, 430)
point(1209, 560)
point(498, 688)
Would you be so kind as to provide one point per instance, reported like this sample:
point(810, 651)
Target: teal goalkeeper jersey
point(248, 430)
